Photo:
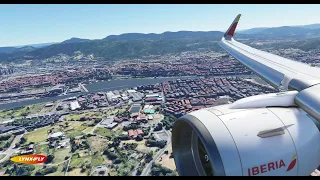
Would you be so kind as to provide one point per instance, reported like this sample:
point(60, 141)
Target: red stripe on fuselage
point(232, 29)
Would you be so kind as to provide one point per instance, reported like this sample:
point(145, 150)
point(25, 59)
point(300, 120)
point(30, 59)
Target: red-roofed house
point(141, 117)
point(139, 131)
point(81, 99)
point(96, 97)
point(135, 134)
point(117, 119)
point(130, 133)
point(77, 142)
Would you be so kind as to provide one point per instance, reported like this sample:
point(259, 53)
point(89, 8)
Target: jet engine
point(255, 136)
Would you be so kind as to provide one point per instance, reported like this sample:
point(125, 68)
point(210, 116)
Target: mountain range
point(136, 45)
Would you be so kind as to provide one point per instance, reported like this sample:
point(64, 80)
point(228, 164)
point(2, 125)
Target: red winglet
point(232, 27)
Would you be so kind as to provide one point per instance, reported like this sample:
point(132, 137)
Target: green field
point(111, 111)
point(96, 160)
point(42, 149)
point(118, 130)
point(104, 132)
point(75, 129)
point(39, 135)
point(87, 130)
point(77, 161)
point(83, 153)
point(97, 143)
point(77, 117)
point(25, 111)
point(60, 154)
point(122, 109)
point(48, 109)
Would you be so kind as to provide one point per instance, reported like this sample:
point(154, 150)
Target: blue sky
point(31, 23)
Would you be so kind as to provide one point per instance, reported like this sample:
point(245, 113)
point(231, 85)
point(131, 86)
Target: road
point(146, 170)
point(66, 91)
point(97, 169)
point(68, 166)
point(69, 159)
point(151, 130)
point(83, 88)
point(11, 149)
point(134, 171)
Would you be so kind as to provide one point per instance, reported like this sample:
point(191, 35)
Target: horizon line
point(20, 46)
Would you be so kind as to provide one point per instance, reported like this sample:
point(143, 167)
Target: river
point(95, 87)
point(103, 86)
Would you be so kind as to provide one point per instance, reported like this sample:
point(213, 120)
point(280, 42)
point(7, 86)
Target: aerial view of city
point(106, 106)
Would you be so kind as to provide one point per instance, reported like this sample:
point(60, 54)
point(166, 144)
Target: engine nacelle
point(221, 141)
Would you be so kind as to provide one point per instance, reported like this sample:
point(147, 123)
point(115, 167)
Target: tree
point(139, 137)
point(22, 170)
point(82, 119)
point(157, 109)
point(159, 170)
point(97, 120)
point(49, 158)
point(6, 145)
point(47, 170)
point(158, 127)
point(139, 171)
point(24, 114)
point(132, 146)
point(117, 161)
point(162, 144)
point(59, 108)
point(124, 137)
point(83, 168)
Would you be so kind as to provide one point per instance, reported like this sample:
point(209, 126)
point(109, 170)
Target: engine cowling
point(221, 141)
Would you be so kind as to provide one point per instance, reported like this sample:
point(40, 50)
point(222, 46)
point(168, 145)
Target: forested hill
point(136, 45)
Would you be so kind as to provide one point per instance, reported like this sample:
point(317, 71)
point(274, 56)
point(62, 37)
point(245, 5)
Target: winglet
point(232, 28)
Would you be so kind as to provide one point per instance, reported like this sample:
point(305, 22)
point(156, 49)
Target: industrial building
point(74, 105)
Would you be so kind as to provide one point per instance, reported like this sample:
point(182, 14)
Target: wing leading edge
point(278, 71)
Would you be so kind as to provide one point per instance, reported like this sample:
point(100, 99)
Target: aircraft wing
point(281, 73)
point(273, 69)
